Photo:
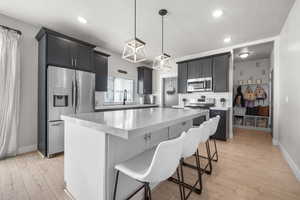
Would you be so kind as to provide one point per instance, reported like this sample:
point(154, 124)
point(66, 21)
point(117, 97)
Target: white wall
point(289, 104)
point(252, 70)
point(29, 65)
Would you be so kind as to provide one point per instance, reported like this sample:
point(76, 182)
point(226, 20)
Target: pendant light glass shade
point(163, 61)
point(134, 50)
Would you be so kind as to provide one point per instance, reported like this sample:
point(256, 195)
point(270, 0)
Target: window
point(115, 90)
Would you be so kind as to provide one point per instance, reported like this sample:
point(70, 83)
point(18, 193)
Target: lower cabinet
point(176, 130)
point(222, 132)
point(156, 137)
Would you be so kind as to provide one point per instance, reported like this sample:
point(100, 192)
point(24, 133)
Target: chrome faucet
point(125, 97)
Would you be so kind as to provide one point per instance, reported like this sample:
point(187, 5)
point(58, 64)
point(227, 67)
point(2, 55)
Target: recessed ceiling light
point(217, 13)
point(244, 55)
point(227, 39)
point(81, 20)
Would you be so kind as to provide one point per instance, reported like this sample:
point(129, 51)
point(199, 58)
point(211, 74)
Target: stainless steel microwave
point(199, 84)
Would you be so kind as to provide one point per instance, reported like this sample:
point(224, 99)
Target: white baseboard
point(27, 149)
point(275, 142)
point(290, 161)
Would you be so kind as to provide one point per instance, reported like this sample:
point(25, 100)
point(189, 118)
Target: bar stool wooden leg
point(182, 178)
point(179, 184)
point(209, 158)
point(199, 170)
point(149, 191)
point(216, 152)
point(116, 184)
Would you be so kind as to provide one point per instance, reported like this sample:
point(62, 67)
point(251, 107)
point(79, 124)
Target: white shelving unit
point(245, 122)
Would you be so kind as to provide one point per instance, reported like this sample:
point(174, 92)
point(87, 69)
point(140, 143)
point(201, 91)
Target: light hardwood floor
point(250, 168)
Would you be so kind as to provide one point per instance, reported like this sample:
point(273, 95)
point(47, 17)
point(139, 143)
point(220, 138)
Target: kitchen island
point(95, 142)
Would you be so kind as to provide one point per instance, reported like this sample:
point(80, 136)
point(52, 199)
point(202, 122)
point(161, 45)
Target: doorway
point(253, 88)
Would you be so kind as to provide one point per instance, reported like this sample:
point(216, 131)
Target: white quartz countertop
point(131, 123)
point(127, 106)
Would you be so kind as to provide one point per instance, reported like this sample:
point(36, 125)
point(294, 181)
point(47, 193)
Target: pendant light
point(162, 62)
point(134, 50)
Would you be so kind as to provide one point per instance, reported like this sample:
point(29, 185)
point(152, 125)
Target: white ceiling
point(189, 27)
point(257, 52)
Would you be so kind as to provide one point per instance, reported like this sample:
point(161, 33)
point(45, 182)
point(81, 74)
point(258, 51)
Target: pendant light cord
point(162, 34)
point(134, 18)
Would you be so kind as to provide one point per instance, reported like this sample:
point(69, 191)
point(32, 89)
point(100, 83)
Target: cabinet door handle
point(147, 137)
point(72, 62)
point(75, 62)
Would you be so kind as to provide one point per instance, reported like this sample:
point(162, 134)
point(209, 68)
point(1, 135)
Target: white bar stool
point(213, 125)
point(192, 139)
point(214, 128)
point(152, 166)
point(205, 134)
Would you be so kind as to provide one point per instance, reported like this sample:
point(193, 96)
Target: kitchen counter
point(96, 142)
point(124, 107)
point(220, 108)
point(210, 108)
point(131, 123)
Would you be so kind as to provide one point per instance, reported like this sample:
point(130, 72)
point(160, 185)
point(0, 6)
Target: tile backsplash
point(217, 96)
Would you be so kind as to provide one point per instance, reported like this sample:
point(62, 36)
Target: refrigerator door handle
point(76, 95)
point(72, 93)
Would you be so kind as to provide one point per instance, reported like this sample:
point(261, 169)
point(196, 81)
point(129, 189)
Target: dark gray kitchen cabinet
point(182, 77)
point(144, 80)
point(61, 51)
point(194, 69)
point(206, 67)
point(83, 56)
point(221, 73)
point(65, 51)
point(222, 132)
point(101, 70)
point(200, 68)
point(58, 51)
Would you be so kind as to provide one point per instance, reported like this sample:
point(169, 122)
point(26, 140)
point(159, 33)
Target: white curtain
point(9, 92)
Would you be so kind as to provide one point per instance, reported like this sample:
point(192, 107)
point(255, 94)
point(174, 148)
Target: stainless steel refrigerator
point(69, 92)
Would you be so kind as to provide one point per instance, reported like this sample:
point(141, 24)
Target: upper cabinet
point(216, 66)
point(182, 77)
point(200, 68)
point(58, 51)
point(83, 56)
point(144, 80)
point(194, 69)
point(221, 73)
point(65, 51)
point(101, 69)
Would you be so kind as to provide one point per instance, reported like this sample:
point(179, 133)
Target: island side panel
point(120, 150)
point(85, 160)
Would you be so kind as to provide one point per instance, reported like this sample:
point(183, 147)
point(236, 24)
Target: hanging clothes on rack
point(260, 94)
point(250, 97)
point(239, 98)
